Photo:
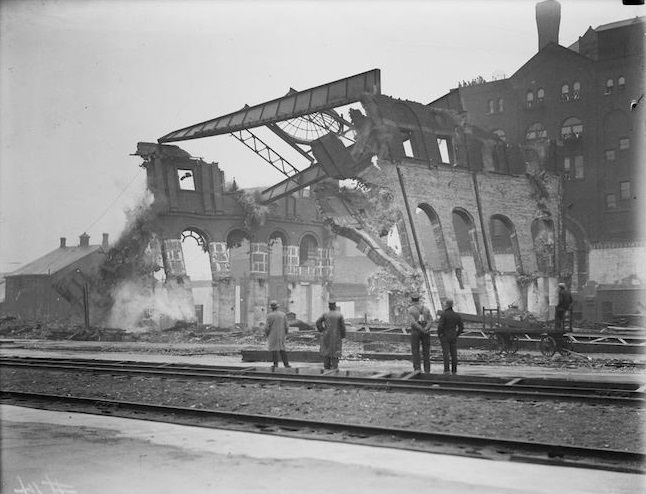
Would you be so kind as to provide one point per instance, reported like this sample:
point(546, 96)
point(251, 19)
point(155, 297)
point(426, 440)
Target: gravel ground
point(600, 426)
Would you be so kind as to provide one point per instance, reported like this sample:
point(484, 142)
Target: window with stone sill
point(611, 201)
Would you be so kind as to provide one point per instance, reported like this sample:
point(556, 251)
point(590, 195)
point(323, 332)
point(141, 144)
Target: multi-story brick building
point(579, 111)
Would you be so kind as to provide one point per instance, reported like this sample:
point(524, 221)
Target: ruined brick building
point(586, 123)
point(427, 179)
point(489, 196)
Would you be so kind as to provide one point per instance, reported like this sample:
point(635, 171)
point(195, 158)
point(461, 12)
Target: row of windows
point(610, 85)
point(568, 93)
point(572, 128)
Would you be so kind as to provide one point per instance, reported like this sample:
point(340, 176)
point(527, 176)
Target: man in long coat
point(420, 333)
point(562, 308)
point(276, 330)
point(332, 326)
point(449, 327)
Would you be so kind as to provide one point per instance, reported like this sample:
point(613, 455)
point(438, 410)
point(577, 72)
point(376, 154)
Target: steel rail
point(461, 445)
point(532, 388)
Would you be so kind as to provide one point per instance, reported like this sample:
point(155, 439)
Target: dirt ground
point(603, 426)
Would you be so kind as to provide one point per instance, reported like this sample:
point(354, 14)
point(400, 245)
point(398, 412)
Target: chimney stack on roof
point(63, 240)
point(84, 240)
point(548, 20)
point(105, 244)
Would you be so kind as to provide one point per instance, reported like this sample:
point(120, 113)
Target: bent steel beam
point(324, 97)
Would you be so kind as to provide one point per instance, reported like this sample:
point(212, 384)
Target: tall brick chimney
point(105, 244)
point(84, 240)
point(63, 240)
point(548, 21)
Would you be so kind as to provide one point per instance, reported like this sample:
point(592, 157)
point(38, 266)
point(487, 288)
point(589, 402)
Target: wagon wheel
point(512, 344)
point(547, 346)
point(566, 346)
point(496, 343)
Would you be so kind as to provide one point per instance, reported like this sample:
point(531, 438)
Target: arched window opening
point(610, 86)
point(576, 90)
point(501, 105)
point(308, 250)
point(529, 98)
point(621, 83)
point(565, 92)
point(540, 95)
point(536, 131)
point(195, 249)
point(506, 251)
point(432, 238)
point(490, 107)
point(501, 134)
point(467, 239)
point(572, 128)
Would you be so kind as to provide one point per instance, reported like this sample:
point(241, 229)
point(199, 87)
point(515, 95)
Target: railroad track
point(617, 393)
point(416, 440)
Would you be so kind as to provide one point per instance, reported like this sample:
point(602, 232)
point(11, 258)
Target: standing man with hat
point(562, 307)
point(420, 333)
point(332, 326)
point(449, 327)
point(276, 330)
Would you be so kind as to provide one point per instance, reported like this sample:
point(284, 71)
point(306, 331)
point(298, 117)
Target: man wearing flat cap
point(420, 333)
point(332, 328)
point(276, 331)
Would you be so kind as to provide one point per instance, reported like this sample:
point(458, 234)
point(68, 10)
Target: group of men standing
point(331, 325)
point(449, 327)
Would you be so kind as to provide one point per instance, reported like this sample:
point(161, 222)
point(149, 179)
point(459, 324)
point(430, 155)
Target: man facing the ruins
point(276, 331)
point(332, 326)
point(449, 327)
point(420, 333)
point(562, 307)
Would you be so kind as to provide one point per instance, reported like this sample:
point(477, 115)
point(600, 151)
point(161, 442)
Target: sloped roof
point(618, 24)
point(550, 50)
point(56, 260)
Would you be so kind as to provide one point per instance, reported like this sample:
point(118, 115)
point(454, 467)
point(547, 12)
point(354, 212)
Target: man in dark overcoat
point(276, 330)
point(562, 307)
point(420, 333)
point(449, 327)
point(332, 328)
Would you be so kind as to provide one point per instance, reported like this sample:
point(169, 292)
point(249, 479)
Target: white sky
point(83, 81)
